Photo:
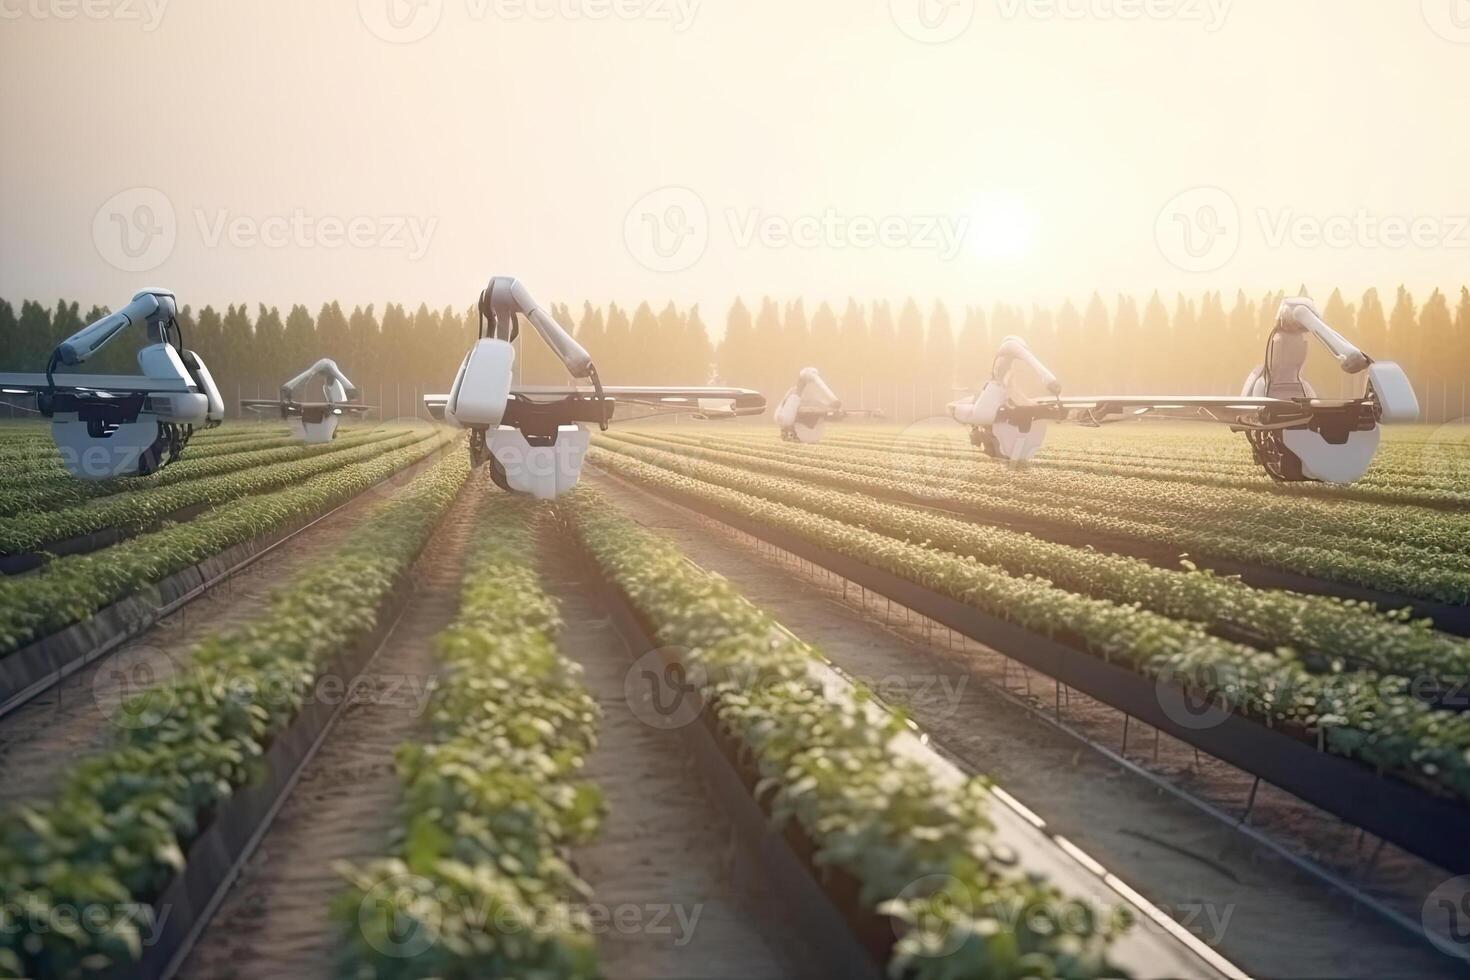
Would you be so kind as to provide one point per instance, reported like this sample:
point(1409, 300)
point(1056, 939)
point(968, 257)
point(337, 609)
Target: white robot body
point(1295, 435)
point(317, 432)
point(544, 472)
point(108, 426)
point(482, 386)
point(802, 415)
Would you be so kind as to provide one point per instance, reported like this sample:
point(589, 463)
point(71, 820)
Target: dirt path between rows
point(275, 920)
point(677, 899)
point(81, 715)
point(1259, 911)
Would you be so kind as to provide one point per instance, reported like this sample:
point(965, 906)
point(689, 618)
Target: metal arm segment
point(811, 388)
point(338, 384)
point(1014, 349)
point(506, 296)
point(1298, 315)
point(156, 308)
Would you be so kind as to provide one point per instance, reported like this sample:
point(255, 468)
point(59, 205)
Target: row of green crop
point(1398, 467)
point(827, 763)
point(492, 800)
point(115, 833)
point(139, 509)
point(1380, 566)
point(60, 490)
point(1342, 525)
point(1377, 720)
point(1329, 634)
point(38, 459)
point(68, 590)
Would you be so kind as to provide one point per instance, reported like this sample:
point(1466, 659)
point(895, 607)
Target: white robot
point(1296, 436)
point(108, 426)
point(805, 411)
point(534, 438)
point(314, 422)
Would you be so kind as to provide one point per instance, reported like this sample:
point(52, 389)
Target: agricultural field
point(735, 707)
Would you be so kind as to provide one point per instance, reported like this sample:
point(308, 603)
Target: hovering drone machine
point(1295, 435)
point(805, 411)
point(314, 422)
point(107, 425)
point(534, 438)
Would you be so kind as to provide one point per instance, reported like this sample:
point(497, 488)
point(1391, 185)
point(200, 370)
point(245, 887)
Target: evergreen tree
point(1432, 346)
point(620, 354)
point(699, 353)
point(1459, 357)
point(271, 366)
point(591, 331)
point(364, 338)
point(1069, 353)
point(236, 355)
point(1154, 347)
point(34, 330)
point(881, 355)
point(1099, 356)
point(975, 351)
point(1128, 346)
point(1403, 335)
point(648, 361)
point(737, 356)
point(826, 347)
point(298, 339)
point(850, 355)
point(939, 361)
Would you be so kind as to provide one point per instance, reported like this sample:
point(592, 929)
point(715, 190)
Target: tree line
point(902, 359)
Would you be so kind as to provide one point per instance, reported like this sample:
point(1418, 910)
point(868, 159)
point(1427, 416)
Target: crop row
point(38, 458)
point(1403, 482)
point(139, 509)
point(1330, 635)
point(492, 799)
point(1238, 538)
point(1378, 721)
point(61, 490)
point(1411, 534)
point(116, 831)
point(829, 764)
point(68, 590)
point(1343, 520)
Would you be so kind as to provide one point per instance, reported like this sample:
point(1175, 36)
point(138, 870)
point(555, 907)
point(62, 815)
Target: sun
point(1002, 226)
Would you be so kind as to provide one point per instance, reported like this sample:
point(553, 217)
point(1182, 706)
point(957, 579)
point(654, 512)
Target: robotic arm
point(992, 428)
point(338, 389)
point(506, 297)
point(125, 425)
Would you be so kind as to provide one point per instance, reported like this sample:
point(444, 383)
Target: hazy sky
point(695, 150)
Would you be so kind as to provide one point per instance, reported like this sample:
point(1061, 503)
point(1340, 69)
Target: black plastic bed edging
point(847, 940)
point(35, 668)
point(1435, 828)
point(215, 856)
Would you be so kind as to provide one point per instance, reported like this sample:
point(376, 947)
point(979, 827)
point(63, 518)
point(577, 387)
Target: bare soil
point(275, 920)
point(1265, 915)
